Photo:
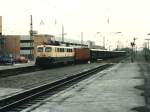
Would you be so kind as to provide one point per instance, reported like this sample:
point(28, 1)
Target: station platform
point(112, 90)
point(17, 65)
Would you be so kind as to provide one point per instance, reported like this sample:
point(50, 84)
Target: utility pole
point(62, 33)
point(31, 38)
point(81, 39)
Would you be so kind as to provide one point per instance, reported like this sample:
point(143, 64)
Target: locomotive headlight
point(43, 55)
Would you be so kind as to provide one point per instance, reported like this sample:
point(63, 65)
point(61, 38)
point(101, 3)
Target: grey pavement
point(111, 90)
point(17, 65)
point(5, 92)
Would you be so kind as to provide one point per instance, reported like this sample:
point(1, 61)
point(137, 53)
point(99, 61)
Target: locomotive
point(50, 54)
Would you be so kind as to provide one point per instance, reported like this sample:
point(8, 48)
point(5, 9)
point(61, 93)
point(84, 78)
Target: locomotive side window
point(65, 50)
point(61, 49)
point(69, 50)
point(48, 49)
point(40, 49)
point(55, 49)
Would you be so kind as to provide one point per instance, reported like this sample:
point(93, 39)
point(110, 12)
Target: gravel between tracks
point(29, 80)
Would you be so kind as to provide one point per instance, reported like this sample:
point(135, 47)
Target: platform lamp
point(147, 49)
point(148, 40)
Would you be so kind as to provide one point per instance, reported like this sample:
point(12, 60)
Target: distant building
point(92, 45)
point(12, 44)
point(97, 47)
point(42, 38)
point(26, 47)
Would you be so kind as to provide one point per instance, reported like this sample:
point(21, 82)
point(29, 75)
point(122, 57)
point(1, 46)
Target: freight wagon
point(104, 54)
point(82, 55)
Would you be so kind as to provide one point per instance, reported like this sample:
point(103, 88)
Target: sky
point(130, 17)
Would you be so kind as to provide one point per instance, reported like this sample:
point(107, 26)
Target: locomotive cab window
point(48, 49)
point(40, 49)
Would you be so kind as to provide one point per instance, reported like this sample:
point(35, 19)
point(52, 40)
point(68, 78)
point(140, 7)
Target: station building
point(0, 25)
point(1, 36)
point(22, 45)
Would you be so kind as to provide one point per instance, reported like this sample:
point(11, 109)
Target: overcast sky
point(131, 17)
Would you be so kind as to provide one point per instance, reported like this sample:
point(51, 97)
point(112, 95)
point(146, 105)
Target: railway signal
point(133, 53)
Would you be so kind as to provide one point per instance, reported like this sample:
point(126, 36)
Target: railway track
point(27, 98)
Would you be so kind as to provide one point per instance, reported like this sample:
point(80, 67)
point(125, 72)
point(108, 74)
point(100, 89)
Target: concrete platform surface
point(17, 65)
point(5, 92)
point(111, 90)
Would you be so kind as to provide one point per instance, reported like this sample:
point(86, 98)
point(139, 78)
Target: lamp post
point(148, 40)
point(62, 33)
point(147, 49)
point(148, 43)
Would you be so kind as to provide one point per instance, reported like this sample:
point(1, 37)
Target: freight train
point(49, 54)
